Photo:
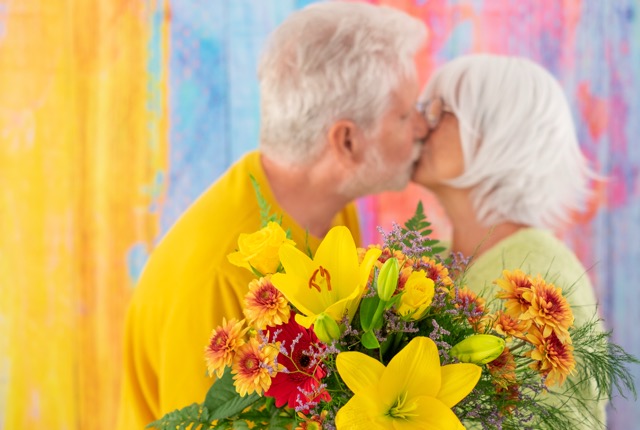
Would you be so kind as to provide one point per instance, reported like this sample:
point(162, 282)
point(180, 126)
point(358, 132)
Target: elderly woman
point(503, 159)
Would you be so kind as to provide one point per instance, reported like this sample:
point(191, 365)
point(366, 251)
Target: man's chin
point(398, 183)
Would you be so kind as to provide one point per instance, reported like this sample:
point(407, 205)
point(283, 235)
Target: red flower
point(300, 383)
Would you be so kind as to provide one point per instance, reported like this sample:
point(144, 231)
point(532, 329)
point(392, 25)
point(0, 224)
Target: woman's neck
point(470, 237)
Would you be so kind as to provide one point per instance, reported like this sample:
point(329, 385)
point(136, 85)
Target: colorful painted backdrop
point(115, 115)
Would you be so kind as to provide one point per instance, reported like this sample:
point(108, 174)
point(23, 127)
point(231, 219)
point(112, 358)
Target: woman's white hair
point(332, 61)
point(521, 154)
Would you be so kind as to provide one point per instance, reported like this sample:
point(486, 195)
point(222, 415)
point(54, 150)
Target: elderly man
point(338, 90)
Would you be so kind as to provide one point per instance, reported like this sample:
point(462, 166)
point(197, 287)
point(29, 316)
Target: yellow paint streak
point(77, 165)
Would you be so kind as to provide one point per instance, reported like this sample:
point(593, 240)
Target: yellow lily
point(331, 284)
point(412, 392)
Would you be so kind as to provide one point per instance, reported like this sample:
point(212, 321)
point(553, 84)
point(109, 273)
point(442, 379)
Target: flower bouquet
point(390, 337)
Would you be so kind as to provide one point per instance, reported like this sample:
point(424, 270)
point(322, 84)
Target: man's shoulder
point(206, 232)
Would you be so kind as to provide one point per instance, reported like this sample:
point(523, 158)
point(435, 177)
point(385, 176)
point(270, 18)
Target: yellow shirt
point(187, 287)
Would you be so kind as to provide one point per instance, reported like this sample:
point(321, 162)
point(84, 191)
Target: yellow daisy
point(514, 285)
point(552, 358)
point(265, 305)
point(253, 367)
point(510, 327)
point(548, 309)
point(224, 342)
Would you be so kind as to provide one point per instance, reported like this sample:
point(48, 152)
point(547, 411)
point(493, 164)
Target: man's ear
point(346, 141)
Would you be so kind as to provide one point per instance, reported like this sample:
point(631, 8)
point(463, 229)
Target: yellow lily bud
point(326, 328)
point(388, 279)
point(478, 349)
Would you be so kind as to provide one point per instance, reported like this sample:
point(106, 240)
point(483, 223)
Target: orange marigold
point(265, 305)
point(510, 398)
point(510, 327)
point(549, 309)
point(471, 303)
point(224, 342)
point(514, 285)
point(503, 369)
point(435, 271)
point(403, 277)
point(253, 367)
point(552, 358)
point(311, 423)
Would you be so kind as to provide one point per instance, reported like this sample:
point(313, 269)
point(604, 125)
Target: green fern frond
point(192, 417)
point(265, 208)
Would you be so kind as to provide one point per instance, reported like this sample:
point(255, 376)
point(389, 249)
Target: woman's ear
point(346, 142)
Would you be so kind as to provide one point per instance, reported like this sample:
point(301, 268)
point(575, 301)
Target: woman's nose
point(420, 126)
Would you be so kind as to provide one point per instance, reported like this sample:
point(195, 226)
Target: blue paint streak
point(136, 259)
point(4, 13)
point(199, 96)
point(459, 41)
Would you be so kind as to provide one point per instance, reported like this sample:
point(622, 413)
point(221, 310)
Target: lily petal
point(431, 414)
point(295, 290)
point(359, 371)
point(295, 262)
point(367, 264)
point(338, 253)
point(414, 370)
point(457, 381)
point(305, 321)
point(359, 414)
point(347, 305)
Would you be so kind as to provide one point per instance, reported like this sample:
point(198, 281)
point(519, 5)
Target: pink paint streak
point(594, 110)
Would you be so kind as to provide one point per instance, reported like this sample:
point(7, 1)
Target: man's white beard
point(375, 175)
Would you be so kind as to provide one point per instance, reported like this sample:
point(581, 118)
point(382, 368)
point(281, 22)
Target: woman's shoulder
point(534, 251)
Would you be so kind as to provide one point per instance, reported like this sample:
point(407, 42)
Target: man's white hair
point(332, 61)
point(521, 154)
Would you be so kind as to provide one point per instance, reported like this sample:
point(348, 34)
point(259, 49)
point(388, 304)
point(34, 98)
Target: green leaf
point(270, 404)
point(281, 423)
point(369, 340)
point(240, 425)
point(368, 307)
point(223, 401)
point(394, 300)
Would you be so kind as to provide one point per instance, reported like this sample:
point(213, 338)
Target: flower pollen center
point(401, 409)
point(325, 278)
point(305, 361)
point(250, 363)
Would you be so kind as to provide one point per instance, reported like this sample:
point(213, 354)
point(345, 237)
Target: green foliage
point(368, 307)
point(418, 224)
point(223, 400)
point(521, 401)
point(194, 417)
point(224, 409)
point(601, 361)
point(265, 208)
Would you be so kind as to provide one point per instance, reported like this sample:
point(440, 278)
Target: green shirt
point(536, 251)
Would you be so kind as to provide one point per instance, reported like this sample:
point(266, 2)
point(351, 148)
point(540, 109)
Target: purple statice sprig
point(436, 336)
point(466, 307)
point(410, 242)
